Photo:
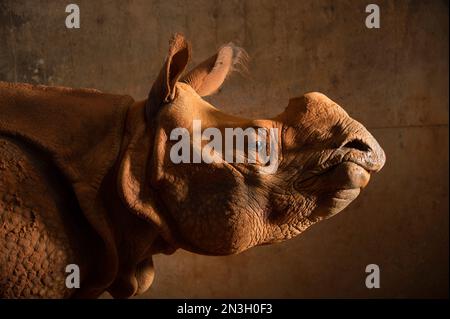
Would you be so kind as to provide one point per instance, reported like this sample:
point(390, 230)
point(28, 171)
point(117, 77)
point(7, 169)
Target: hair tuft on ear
point(209, 75)
point(239, 61)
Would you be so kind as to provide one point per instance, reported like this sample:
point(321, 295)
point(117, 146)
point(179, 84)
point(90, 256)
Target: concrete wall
point(393, 79)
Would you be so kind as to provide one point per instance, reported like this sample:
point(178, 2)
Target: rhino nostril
point(358, 145)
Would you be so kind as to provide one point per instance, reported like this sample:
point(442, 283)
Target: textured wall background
point(393, 79)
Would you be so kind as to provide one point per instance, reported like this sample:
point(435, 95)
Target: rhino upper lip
point(359, 158)
point(358, 161)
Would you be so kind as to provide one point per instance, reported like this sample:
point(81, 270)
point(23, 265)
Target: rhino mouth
point(341, 173)
point(359, 158)
point(340, 180)
point(349, 175)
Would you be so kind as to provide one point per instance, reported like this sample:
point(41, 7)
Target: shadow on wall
point(394, 80)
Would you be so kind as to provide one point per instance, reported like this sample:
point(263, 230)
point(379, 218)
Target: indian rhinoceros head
point(217, 207)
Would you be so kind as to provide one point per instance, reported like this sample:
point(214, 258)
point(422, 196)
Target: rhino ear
point(163, 90)
point(209, 75)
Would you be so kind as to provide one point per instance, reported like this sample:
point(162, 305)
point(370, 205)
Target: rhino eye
point(259, 145)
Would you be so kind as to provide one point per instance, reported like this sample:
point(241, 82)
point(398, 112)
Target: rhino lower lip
point(344, 182)
point(350, 175)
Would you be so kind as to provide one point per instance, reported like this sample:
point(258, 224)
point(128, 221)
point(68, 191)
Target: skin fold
point(145, 204)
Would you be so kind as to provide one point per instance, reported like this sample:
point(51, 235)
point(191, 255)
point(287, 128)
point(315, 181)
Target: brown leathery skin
point(76, 135)
point(87, 178)
point(38, 222)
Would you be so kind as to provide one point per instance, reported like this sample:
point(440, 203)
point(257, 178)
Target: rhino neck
point(139, 228)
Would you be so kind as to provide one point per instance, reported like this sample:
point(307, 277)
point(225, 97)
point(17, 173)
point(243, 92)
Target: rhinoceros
point(86, 179)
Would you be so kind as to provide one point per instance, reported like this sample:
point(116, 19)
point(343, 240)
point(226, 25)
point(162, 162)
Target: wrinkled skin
point(156, 206)
point(326, 159)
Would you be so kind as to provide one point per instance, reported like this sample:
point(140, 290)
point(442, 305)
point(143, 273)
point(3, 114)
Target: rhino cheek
point(282, 232)
point(210, 208)
point(223, 233)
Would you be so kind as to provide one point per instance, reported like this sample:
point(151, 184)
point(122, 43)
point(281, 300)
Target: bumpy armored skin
point(57, 146)
point(87, 178)
point(39, 221)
